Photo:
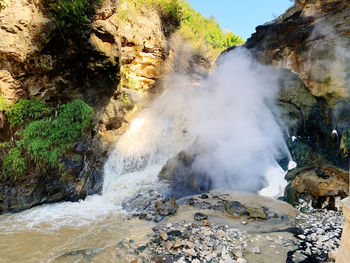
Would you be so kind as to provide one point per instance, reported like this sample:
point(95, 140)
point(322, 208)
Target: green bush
point(3, 4)
point(14, 163)
point(26, 110)
point(3, 104)
point(201, 30)
point(45, 141)
point(71, 13)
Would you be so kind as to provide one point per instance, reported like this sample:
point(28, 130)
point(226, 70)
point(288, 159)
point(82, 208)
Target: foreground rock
point(323, 187)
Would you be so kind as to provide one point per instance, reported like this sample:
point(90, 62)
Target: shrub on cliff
point(71, 14)
point(44, 141)
point(3, 4)
point(3, 104)
point(26, 110)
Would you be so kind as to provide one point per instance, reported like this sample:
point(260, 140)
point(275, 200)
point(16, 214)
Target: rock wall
point(308, 46)
point(309, 43)
point(112, 63)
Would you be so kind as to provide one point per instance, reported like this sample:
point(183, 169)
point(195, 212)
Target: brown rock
point(256, 212)
point(177, 244)
point(168, 245)
point(205, 222)
point(328, 181)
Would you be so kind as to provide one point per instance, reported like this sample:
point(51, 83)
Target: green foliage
point(201, 30)
point(26, 110)
point(3, 104)
point(14, 163)
point(345, 143)
point(71, 13)
point(3, 4)
point(45, 140)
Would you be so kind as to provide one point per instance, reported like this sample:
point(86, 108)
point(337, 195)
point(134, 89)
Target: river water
point(66, 232)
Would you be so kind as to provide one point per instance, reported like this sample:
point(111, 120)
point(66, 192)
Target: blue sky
point(241, 17)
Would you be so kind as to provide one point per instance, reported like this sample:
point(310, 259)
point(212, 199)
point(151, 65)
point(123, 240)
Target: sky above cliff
point(241, 17)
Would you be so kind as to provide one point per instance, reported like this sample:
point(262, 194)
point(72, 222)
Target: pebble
point(163, 236)
point(168, 245)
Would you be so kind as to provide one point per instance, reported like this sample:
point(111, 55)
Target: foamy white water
point(275, 180)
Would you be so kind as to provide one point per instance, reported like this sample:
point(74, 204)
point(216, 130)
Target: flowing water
point(231, 122)
point(75, 232)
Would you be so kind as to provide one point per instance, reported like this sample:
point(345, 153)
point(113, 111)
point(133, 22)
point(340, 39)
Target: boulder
point(235, 208)
point(327, 181)
point(256, 212)
point(179, 171)
point(165, 208)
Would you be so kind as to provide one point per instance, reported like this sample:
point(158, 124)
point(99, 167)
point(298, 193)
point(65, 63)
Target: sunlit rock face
point(310, 39)
point(109, 64)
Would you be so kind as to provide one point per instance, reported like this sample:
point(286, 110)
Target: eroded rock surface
point(111, 63)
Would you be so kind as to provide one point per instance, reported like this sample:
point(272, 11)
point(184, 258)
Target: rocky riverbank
point(235, 227)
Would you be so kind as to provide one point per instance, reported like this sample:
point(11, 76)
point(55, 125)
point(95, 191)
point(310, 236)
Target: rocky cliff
point(310, 44)
point(112, 63)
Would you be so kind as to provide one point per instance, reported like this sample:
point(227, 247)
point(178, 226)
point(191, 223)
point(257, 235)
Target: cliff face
point(310, 39)
point(110, 64)
point(309, 43)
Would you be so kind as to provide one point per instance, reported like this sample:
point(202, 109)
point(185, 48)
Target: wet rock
point(235, 208)
point(175, 233)
point(165, 208)
point(204, 196)
point(255, 212)
point(179, 171)
point(202, 205)
point(200, 216)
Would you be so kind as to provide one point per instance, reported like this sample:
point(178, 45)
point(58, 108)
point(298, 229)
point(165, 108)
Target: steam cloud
point(233, 118)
